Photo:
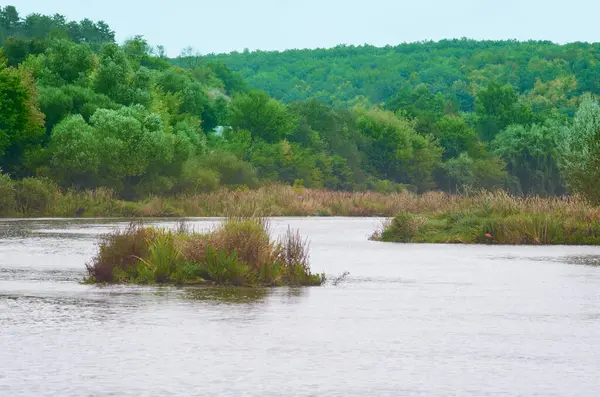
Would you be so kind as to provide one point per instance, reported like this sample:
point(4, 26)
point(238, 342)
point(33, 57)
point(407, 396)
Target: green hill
point(455, 68)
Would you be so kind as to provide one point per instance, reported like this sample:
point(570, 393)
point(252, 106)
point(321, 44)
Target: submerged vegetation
point(497, 218)
point(239, 252)
point(229, 295)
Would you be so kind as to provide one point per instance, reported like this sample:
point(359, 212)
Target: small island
point(495, 218)
point(238, 252)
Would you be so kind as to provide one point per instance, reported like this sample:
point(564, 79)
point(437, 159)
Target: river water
point(409, 320)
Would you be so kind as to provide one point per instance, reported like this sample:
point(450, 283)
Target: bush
point(232, 171)
point(387, 186)
point(7, 195)
point(196, 179)
point(35, 196)
point(404, 228)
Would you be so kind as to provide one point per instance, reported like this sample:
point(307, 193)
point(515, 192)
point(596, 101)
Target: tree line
point(84, 112)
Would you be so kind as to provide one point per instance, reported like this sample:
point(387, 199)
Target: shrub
point(404, 227)
point(197, 179)
point(232, 171)
point(35, 196)
point(7, 194)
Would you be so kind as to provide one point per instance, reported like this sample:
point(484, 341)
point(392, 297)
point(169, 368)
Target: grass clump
point(488, 218)
point(239, 252)
point(404, 228)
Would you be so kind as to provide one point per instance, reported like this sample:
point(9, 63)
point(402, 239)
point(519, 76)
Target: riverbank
point(498, 218)
point(45, 200)
point(433, 217)
point(239, 252)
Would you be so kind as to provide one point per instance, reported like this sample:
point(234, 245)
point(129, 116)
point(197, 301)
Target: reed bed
point(281, 200)
point(496, 218)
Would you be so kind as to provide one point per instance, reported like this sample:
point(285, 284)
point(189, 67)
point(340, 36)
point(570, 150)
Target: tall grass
point(497, 218)
point(239, 252)
point(118, 252)
point(45, 199)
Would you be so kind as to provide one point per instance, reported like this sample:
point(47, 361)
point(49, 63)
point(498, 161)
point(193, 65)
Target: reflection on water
point(226, 294)
point(414, 320)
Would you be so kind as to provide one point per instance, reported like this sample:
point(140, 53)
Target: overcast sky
point(227, 25)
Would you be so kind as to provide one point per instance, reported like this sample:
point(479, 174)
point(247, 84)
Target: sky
point(233, 25)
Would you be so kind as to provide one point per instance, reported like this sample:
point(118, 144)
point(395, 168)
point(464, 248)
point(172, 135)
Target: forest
point(81, 112)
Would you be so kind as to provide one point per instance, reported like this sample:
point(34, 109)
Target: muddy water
point(410, 320)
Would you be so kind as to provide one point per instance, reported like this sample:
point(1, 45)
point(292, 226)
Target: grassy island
point(239, 252)
point(497, 218)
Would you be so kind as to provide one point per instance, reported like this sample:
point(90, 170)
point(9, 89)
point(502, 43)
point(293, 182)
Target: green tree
point(172, 80)
point(580, 151)
point(498, 107)
point(57, 103)
point(286, 163)
point(76, 153)
point(10, 22)
point(530, 155)
point(67, 63)
point(264, 117)
point(21, 122)
point(114, 75)
point(17, 49)
point(126, 149)
point(396, 152)
point(463, 172)
point(457, 137)
point(196, 102)
point(389, 142)
point(420, 104)
point(332, 131)
point(427, 156)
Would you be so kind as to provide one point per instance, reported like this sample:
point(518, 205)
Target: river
point(409, 320)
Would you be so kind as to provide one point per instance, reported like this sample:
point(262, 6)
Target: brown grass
point(278, 200)
point(120, 249)
point(281, 200)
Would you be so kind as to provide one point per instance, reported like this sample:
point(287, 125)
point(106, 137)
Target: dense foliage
point(84, 112)
point(427, 76)
point(499, 109)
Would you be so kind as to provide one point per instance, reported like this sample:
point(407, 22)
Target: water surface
point(410, 320)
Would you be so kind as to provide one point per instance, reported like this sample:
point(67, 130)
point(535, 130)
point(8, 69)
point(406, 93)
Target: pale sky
point(227, 25)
